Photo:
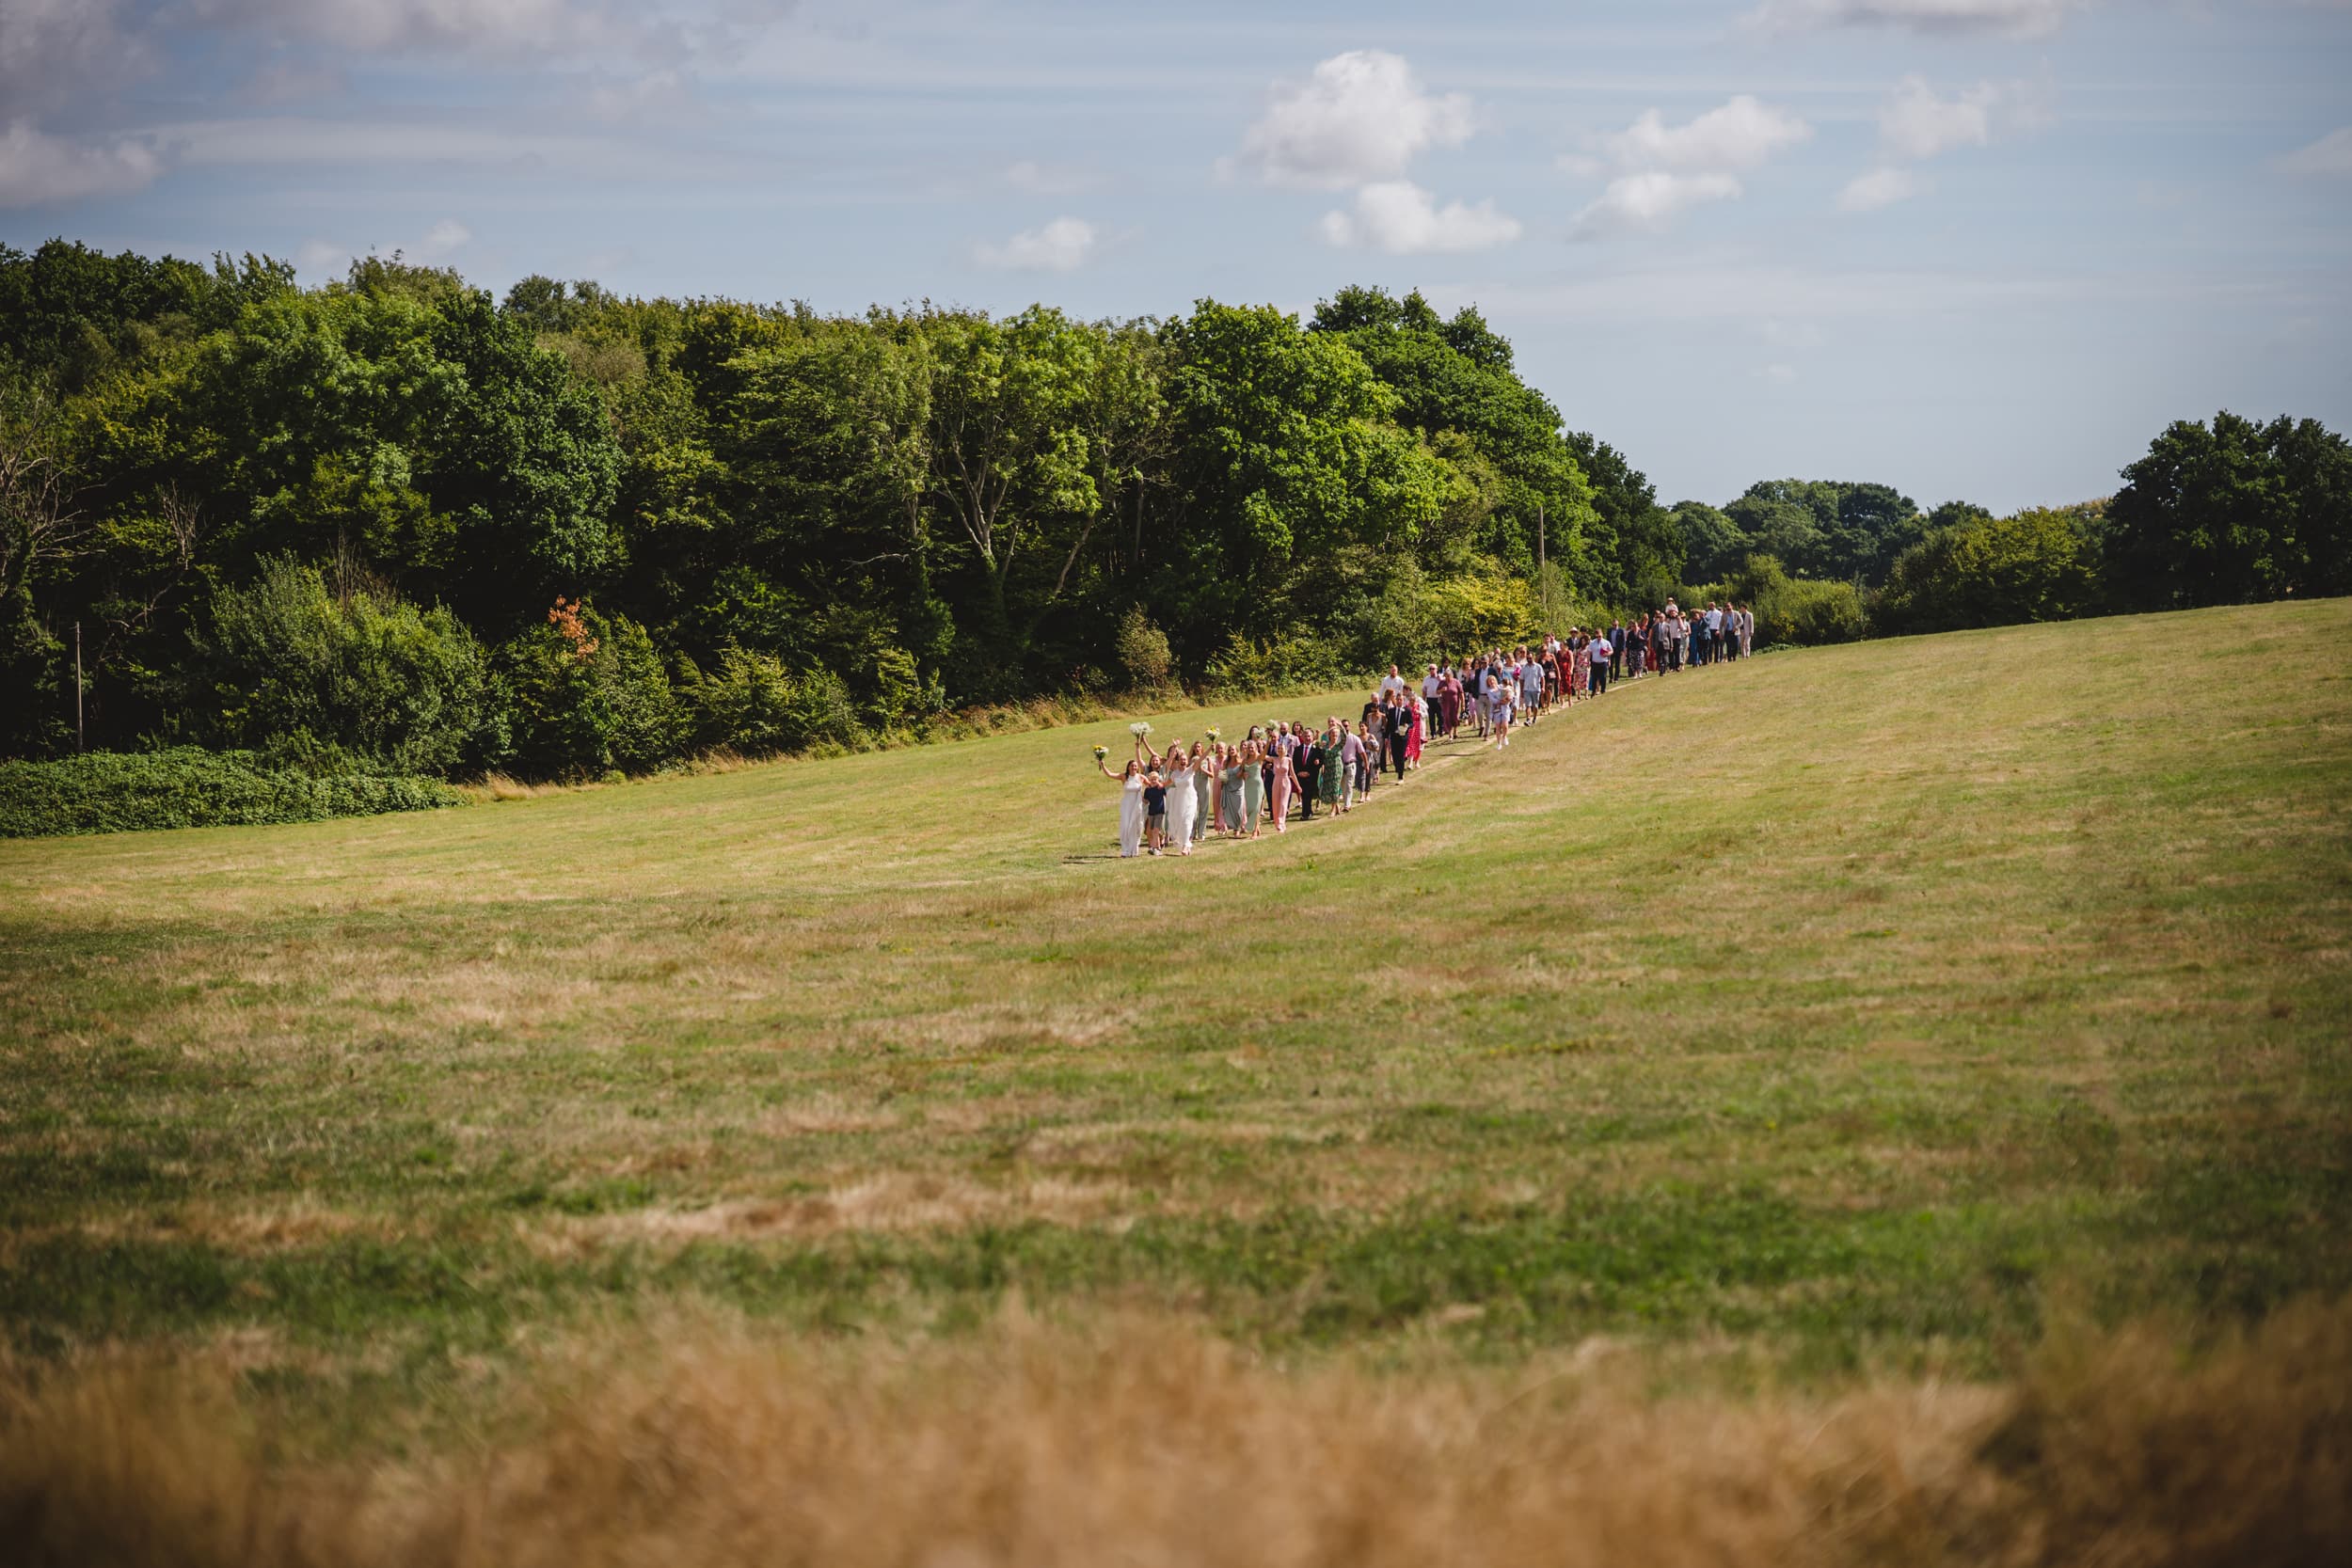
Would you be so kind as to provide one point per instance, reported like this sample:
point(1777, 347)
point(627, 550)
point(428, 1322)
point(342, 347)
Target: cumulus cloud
point(1662, 170)
point(38, 168)
point(1879, 187)
point(1061, 246)
point(445, 236)
point(1917, 125)
point(1740, 134)
point(2011, 18)
point(1646, 204)
point(1403, 219)
point(1914, 123)
point(1361, 117)
point(2330, 154)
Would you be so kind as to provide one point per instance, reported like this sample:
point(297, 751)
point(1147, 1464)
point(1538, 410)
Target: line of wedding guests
point(1279, 772)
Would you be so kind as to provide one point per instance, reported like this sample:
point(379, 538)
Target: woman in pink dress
point(1412, 736)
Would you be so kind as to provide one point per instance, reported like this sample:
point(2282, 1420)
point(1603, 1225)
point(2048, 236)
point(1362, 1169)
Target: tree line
point(394, 521)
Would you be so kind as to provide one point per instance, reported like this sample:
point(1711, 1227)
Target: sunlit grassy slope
point(1839, 1003)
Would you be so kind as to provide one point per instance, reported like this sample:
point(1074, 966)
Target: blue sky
point(1973, 248)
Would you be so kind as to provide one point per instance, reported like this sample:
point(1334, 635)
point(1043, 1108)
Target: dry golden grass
point(1143, 1442)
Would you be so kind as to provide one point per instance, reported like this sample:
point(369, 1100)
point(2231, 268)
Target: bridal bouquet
point(1138, 729)
point(1212, 732)
point(1102, 751)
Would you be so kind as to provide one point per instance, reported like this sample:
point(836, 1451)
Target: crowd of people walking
point(1282, 771)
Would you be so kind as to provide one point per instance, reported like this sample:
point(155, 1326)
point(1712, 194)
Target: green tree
point(589, 695)
point(349, 667)
point(2233, 513)
point(1713, 543)
point(2034, 565)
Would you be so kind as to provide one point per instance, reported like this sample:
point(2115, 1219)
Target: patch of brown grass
point(1151, 1445)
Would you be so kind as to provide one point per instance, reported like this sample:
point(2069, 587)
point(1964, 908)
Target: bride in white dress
point(1176, 773)
point(1129, 804)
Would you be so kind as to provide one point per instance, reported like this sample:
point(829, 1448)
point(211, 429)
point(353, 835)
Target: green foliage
point(1248, 669)
point(750, 703)
point(76, 315)
point(1142, 649)
point(1824, 529)
point(2036, 565)
point(353, 666)
point(821, 530)
point(1713, 543)
point(1455, 378)
point(1799, 611)
point(590, 696)
point(187, 786)
point(2232, 513)
point(408, 427)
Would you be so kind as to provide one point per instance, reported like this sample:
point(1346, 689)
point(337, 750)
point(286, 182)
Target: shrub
point(590, 696)
point(1248, 669)
point(404, 689)
point(1809, 613)
point(752, 704)
point(1143, 649)
point(1800, 611)
point(1481, 608)
point(2036, 565)
point(190, 787)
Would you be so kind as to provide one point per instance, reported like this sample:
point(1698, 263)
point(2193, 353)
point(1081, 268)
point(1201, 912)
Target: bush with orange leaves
point(566, 619)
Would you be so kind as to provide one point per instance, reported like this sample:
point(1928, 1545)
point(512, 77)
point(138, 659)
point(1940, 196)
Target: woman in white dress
point(1203, 791)
point(1176, 769)
point(1130, 803)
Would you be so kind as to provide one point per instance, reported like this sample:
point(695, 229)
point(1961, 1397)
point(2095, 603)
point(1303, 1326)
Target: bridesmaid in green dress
point(1334, 767)
point(1228, 791)
point(1252, 786)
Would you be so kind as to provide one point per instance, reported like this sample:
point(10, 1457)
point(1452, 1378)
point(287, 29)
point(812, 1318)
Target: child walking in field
point(1155, 812)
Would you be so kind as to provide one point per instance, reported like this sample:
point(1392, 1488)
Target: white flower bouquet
point(1138, 729)
point(1102, 751)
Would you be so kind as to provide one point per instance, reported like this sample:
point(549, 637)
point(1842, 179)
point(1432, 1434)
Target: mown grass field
point(1838, 1010)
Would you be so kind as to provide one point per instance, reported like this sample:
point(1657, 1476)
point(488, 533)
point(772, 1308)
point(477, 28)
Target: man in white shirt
point(1599, 651)
point(1394, 683)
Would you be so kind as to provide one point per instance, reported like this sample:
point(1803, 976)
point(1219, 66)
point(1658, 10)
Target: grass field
point(1839, 1015)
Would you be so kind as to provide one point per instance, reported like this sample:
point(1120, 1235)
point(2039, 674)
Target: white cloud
point(1914, 123)
point(1740, 134)
point(1403, 219)
point(2330, 154)
point(445, 236)
point(1664, 170)
point(1644, 203)
point(1362, 116)
point(37, 168)
point(1779, 375)
point(1879, 187)
point(2012, 18)
point(1061, 246)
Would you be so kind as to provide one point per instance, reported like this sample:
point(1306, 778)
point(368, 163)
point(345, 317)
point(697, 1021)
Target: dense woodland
point(398, 524)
